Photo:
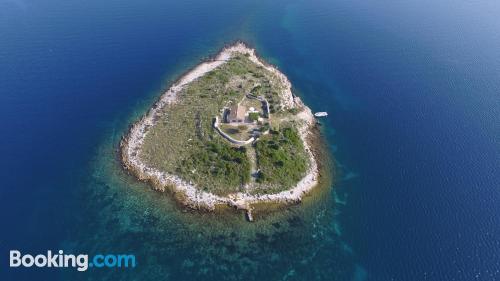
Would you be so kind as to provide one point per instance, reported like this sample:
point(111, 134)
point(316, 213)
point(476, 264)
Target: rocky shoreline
point(190, 194)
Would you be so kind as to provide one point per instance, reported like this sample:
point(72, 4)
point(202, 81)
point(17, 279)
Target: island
point(228, 132)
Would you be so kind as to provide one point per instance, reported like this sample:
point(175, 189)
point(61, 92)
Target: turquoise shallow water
point(412, 91)
point(122, 215)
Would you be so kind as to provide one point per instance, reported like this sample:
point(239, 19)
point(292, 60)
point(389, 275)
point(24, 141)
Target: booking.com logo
point(62, 260)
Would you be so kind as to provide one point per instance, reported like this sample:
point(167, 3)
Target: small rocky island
point(228, 132)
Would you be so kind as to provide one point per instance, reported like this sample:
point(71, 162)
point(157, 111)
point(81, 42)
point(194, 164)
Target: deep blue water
point(413, 93)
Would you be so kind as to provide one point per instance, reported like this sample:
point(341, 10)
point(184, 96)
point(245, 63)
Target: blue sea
point(412, 89)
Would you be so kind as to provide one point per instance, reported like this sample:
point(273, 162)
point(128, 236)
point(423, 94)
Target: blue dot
point(91, 264)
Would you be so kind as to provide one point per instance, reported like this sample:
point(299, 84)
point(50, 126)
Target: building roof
point(237, 112)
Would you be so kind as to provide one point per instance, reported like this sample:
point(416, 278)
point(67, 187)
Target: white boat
point(321, 114)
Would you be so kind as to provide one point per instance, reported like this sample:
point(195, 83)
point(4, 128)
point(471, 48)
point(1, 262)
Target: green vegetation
point(293, 111)
point(240, 133)
point(251, 102)
point(183, 141)
point(243, 127)
point(253, 116)
point(265, 127)
point(218, 165)
point(281, 159)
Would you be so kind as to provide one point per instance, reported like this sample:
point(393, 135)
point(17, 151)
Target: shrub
point(281, 156)
point(253, 116)
point(222, 163)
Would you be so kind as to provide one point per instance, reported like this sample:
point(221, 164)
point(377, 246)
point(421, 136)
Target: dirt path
point(252, 157)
